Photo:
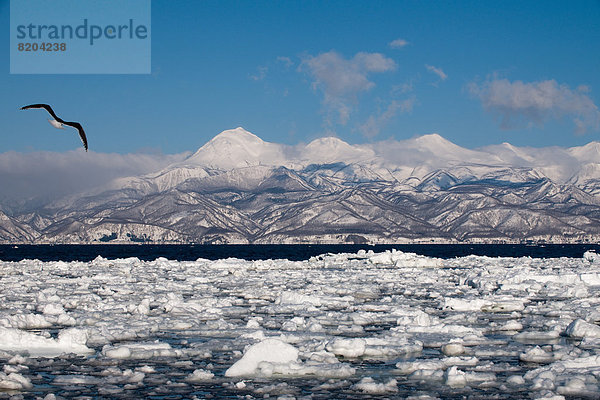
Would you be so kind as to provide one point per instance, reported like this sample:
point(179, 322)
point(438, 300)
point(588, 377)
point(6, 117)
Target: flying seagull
point(58, 122)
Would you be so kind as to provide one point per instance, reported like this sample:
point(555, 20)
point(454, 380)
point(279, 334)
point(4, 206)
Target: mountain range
point(238, 188)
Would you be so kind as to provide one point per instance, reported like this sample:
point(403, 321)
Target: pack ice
point(339, 325)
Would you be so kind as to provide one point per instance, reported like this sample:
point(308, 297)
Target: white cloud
point(30, 179)
point(285, 61)
point(438, 71)
point(406, 87)
point(520, 102)
point(261, 72)
point(341, 80)
point(584, 89)
point(375, 123)
point(398, 43)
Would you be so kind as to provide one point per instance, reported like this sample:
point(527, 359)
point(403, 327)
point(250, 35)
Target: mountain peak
point(432, 136)
point(231, 139)
point(433, 139)
point(331, 148)
point(588, 153)
point(445, 150)
point(236, 148)
point(328, 141)
point(238, 134)
point(437, 144)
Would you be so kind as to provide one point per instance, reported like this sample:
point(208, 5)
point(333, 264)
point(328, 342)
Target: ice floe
point(71, 340)
point(391, 324)
point(269, 351)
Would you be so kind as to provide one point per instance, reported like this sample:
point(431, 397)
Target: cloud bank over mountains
point(519, 103)
point(31, 179)
point(238, 188)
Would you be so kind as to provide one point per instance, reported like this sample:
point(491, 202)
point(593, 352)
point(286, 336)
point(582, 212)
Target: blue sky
point(478, 73)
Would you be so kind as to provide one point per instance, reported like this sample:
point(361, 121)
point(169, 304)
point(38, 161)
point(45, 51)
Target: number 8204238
point(44, 46)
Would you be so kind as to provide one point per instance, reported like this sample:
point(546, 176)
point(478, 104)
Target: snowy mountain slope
point(11, 230)
point(238, 188)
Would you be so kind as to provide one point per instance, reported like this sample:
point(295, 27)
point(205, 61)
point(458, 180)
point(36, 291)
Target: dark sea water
point(149, 252)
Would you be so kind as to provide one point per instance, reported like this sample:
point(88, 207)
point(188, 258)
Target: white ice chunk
point(52, 309)
point(25, 321)
point(269, 350)
point(390, 347)
point(141, 351)
point(575, 377)
point(581, 363)
point(368, 385)
point(349, 348)
point(496, 305)
point(409, 367)
point(453, 349)
point(143, 308)
point(591, 256)
point(381, 258)
point(335, 370)
point(69, 380)
point(404, 260)
point(298, 298)
point(14, 381)
point(591, 279)
point(463, 304)
point(199, 375)
point(511, 325)
point(582, 329)
point(18, 359)
point(537, 336)
point(537, 355)
point(254, 323)
point(240, 385)
point(455, 378)
point(147, 369)
point(72, 340)
point(515, 380)
point(373, 347)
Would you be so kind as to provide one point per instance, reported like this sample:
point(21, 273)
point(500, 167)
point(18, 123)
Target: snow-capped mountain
point(238, 188)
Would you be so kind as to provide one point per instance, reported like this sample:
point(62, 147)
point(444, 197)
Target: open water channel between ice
point(392, 324)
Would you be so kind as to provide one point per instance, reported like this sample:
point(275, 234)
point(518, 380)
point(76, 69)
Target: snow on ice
point(340, 325)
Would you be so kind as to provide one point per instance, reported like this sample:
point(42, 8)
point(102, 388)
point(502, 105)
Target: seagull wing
point(45, 107)
point(79, 128)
